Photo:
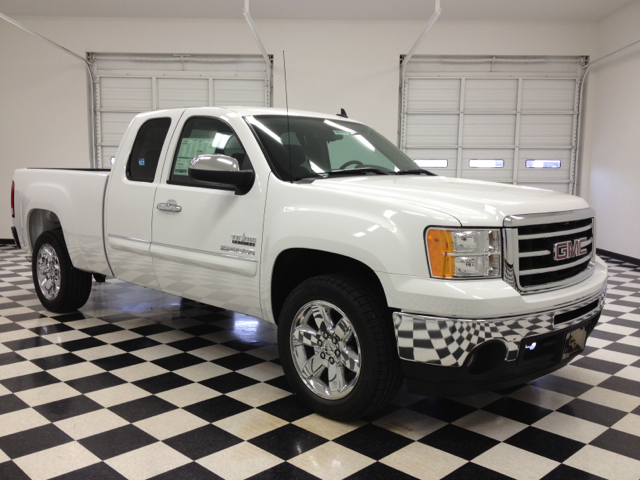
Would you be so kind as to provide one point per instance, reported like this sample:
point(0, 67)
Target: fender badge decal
point(243, 240)
point(245, 251)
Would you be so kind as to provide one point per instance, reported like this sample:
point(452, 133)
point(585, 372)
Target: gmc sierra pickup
point(374, 270)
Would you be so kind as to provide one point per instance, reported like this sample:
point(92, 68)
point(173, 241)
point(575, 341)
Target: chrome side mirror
point(221, 169)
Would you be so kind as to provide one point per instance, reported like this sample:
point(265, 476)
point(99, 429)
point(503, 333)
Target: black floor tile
point(217, 408)
point(23, 344)
point(95, 382)
point(161, 383)
point(82, 344)
point(97, 471)
point(69, 317)
point(623, 385)
point(190, 471)
point(545, 444)
point(101, 329)
point(598, 365)
point(623, 348)
point(67, 408)
point(9, 358)
point(10, 327)
point(471, 471)
point(289, 408)
point(190, 344)
point(149, 330)
point(619, 442)
point(285, 471)
point(142, 408)
point(117, 361)
point(176, 362)
point(10, 471)
point(136, 344)
point(562, 385)
point(592, 412)
point(116, 442)
point(373, 441)
point(623, 323)
point(10, 403)
point(204, 329)
point(33, 440)
point(118, 317)
point(202, 441)
point(565, 472)
point(612, 337)
point(21, 317)
point(238, 361)
point(27, 382)
point(288, 441)
point(49, 329)
point(516, 410)
point(460, 442)
point(442, 408)
point(229, 382)
point(280, 382)
point(57, 361)
point(243, 346)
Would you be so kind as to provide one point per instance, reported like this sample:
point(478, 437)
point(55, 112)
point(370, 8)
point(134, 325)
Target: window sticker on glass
point(431, 163)
point(191, 148)
point(141, 161)
point(476, 163)
point(543, 163)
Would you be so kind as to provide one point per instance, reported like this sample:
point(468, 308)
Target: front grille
point(537, 265)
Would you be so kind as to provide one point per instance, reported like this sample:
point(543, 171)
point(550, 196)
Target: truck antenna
point(286, 98)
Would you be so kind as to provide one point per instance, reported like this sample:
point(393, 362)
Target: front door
point(206, 239)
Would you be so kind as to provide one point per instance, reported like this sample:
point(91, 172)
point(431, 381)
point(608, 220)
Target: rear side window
point(205, 135)
point(145, 154)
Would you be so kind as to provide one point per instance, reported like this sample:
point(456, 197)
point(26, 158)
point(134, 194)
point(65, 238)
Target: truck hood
point(472, 202)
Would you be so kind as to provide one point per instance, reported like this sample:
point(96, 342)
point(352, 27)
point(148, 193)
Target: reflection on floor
point(145, 385)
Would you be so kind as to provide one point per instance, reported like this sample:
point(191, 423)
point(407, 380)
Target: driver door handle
point(169, 207)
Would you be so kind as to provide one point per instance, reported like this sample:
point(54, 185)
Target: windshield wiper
point(337, 173)
point(416, 171)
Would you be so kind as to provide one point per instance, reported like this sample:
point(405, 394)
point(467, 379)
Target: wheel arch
point(40, 221)
point(295, 265)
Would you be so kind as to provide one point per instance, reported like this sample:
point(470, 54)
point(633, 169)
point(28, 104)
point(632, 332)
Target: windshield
point(300, 147)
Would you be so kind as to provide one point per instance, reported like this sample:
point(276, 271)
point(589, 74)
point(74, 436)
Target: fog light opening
point(486, 357)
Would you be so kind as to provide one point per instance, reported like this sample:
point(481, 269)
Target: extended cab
point(372, 268)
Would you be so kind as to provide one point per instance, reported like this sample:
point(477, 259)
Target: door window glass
point(145, 154)
point(205, 135)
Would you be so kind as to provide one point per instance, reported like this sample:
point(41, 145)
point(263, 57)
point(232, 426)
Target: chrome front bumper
point(448, 342)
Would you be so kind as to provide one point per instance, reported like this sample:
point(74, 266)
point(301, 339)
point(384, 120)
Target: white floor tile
point(56, 461)
point(239, 462)
point(423, 462)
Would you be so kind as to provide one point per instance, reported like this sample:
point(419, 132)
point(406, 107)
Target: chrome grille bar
point(553, 234)
point(554, 269)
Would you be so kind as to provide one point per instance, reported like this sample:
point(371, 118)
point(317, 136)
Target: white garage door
point(130, 84)
point(503, 119)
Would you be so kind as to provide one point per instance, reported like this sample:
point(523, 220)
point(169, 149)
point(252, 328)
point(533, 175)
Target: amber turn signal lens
point(439, 244)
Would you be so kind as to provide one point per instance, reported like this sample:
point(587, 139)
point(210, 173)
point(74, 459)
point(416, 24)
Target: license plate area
point(574, 342)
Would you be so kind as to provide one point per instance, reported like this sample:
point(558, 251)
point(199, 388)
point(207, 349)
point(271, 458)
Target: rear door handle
point(169, 207)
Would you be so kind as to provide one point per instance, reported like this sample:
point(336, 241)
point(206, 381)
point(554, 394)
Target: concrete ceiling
point(452, 10)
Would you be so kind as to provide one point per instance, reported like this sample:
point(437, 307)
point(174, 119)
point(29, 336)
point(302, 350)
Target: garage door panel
point(247, 93)
point(491, 95)
point(548, 95)
point(433, 95)
point(489, 130)
point(432, 130)
point(547, 130)
point(558, 187)
point(182, 92)
point(113, 125)
point(450, 155)
point(126, 93)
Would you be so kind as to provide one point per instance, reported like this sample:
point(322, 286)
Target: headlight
point(460, 253)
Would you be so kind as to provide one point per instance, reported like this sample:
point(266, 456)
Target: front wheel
point(337, 347)
point(60, 287)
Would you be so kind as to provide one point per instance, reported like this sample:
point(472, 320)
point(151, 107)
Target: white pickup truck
point(374, 270)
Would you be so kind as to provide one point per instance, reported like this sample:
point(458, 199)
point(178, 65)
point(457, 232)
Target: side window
point(145, 154)
point(205, 135)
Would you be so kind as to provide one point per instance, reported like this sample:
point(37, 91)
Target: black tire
point(378, 375)
point(50, 255)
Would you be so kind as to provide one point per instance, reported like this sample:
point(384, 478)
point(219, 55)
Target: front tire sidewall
point(354, 404)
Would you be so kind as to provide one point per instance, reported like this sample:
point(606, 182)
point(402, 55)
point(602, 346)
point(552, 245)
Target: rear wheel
point(59, 286)
point(337, 347)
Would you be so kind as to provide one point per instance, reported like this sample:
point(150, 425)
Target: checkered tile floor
point(141, 385)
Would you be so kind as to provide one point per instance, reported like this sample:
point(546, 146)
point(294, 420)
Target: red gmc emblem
point(569, 249)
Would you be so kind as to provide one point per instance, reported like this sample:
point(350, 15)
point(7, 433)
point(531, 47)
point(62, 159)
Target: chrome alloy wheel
point(48, 272)
point(325, 350)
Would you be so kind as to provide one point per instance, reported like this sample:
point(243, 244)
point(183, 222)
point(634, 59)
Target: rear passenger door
point(129, 201)
point(208, 248)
